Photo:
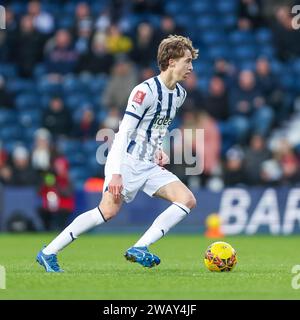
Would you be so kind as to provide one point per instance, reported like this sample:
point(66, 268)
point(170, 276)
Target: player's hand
point(161, 158)
point(115, 186)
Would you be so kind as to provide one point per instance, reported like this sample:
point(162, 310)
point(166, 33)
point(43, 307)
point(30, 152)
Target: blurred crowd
point(68, 67)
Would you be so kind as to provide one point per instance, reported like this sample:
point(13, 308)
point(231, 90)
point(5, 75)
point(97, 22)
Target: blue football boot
point(142, 256)
point(49, 262)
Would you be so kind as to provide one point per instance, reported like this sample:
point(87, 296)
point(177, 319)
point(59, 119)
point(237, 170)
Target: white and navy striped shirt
point(150, 110)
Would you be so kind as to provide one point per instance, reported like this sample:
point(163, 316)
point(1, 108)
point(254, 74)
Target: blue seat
point(218, 52)
point(11, 132)
point(76, 158)
point(228, 21)
point(227, 6)
point(173, 7)
point(40, 70)
point(247, 65)
point(7, 117)
point(30, 118)
point(206, 22)
point(203, 67)
point(263, 35)
point(245, 53)
point(71, 84)
point(8, 70)
point(201, 7)
point(276, 66)
point(69, 146)
point(213, 38)
point(78, 173)
point(287, 80)
point(18, 85)
point(203, 84)
point(241, 37)
point(27, 101)
point(45, 86)
point(267, 51)
point(296, 66)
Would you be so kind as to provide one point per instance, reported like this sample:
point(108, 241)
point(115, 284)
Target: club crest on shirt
point(139, 97)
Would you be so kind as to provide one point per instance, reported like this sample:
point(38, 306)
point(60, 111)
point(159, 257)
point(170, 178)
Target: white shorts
point(139, 175)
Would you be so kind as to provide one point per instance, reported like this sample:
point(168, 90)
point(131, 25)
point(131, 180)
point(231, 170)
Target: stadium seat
point(245, 53)
point(213, 38)
point(7, 117)
point(241, 37)
point(263, 36)
point(8, 70)
point(18, 85)
point(27, 101)
point(10, 132)
point(207, 22)
point(173, 7)
point(226, 7)
point(228, 22)
point(218, 52)
point(29, 118)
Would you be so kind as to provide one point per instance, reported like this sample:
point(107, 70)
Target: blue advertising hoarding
point(249, 211)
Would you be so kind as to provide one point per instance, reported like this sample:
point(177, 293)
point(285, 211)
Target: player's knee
point(192, 202)
point(108, 212)
point(189, 200)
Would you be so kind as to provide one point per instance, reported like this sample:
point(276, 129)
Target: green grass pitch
point(96, 269)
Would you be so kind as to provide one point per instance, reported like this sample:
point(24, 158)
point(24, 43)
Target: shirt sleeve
point(138, 102)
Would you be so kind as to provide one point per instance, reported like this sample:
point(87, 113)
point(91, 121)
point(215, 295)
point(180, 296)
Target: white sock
point(163, 223)
point(81, 224)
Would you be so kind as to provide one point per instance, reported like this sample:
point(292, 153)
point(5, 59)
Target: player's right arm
point(139, 100)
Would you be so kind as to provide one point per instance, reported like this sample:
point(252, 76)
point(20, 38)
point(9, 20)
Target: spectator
point(212, 146)
point(87, 125)
point(42, 21)
point(41, 153)
point(83, 37)
point(60, 56)
point(9, 37)
point(22, 172)
point(120, 84)
point(168, 26)
point(6, 99)
point(255, 155)
point(216, 105)
point(269, 86)
point(112, 119)
point(116, 42)
point(5, 170)
point(289, 163)
point(250, 14)
point(97, 59)
point(83, 18)
point(103, 21)
point(143, 52)
point(194, 99)
point(233, 167)
point(57, 196)
point(31, 42)
point(287, 39)
point(248, 109)
point(57, 118)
